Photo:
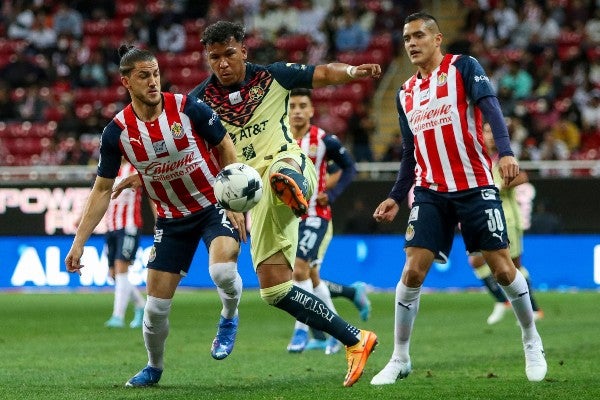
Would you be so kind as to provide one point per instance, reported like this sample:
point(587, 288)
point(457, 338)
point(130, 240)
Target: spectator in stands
point(516, 80)
point(21, 71)
point(553, 148)
point(394, 149)
point(525, 29)
point(592, 29)
point(266, 23)
point(518, 134)
point(67, 20)
point(311, 16)
point(70, 125)
point(549, 29)
point(351, 36)
point(566, 131)
point(506, 20)
point(41, 38)
point(170, 35)
point(93, 73)
point(590, 113)
point(488, 31)
point(361, 126)
point(8, 109)
point(22, 21)
point(32, 107)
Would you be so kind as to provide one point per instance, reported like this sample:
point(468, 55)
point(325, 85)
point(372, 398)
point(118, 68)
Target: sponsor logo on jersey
point(160, 147)
point(177, 130)
point(414, 214)
point(481, 78)
point(488, 194)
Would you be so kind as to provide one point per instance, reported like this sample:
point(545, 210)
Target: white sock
point(322, 292)
point(156, 329)
point(229, 286)
point(137, 297)
point(122, 291)
point(518, 294)
point(405, 315)
point(306, 285)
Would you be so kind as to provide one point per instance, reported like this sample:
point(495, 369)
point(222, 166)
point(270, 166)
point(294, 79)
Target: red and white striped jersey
point(446, 127)
point(314, 147)
point(125, 212)
point(176, 162)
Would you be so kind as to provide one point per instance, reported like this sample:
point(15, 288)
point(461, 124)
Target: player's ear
point(244, 51)
point(125, 81)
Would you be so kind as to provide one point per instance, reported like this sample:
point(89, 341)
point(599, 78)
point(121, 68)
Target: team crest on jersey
point(410, 232)
point(177, 130)
point(312, 150)
point(256, 93)
point(442, 79)
point(248, 152)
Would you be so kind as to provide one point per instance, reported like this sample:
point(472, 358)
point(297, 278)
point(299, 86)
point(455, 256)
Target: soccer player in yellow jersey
point(252, 103)
point(514, 229)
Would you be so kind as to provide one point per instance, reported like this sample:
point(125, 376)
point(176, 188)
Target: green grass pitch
point(54, 346)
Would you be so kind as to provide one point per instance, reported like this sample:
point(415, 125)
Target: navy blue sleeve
point(406, 174)
point(206, 122)
point(110, 151)
point(336, 152)
point(292, 76)
point(492, 112)
point(477, 84)
point(480, 90)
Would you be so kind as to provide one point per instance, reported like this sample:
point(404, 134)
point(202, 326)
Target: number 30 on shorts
point(495, 222)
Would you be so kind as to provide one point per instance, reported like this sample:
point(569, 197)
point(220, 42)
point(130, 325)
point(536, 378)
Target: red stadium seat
point(114, 27)
point(292, 43)
point(188, 77)
point(43, 129)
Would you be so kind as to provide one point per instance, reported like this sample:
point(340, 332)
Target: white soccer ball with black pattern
point(238, 187)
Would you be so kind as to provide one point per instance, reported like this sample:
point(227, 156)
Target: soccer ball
point(238, 187)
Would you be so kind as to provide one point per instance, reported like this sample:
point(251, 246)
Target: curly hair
point(222, 31)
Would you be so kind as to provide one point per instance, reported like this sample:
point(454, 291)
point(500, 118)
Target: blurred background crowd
point(59, 81)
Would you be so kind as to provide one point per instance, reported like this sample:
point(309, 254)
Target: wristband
point(351, 71)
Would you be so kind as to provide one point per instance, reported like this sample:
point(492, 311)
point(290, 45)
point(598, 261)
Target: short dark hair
point(130, 55)
point(301, 92)
point(222, 31)
point(428, 18)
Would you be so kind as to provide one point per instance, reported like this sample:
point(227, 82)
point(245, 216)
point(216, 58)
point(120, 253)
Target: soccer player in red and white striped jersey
point(441, 109)
point(177, 145)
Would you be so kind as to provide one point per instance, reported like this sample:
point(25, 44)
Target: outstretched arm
point(338, 73)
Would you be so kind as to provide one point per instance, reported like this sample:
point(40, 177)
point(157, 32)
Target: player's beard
point(146, 100)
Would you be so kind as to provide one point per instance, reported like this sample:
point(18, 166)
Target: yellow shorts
point(274, 225)
point(515, 237)
point(324, 244)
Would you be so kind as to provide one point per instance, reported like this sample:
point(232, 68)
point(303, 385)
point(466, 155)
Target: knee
point(301, 270)
point(272, 295)
point(223, 273)
point(157, 308)
point(413, 277)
